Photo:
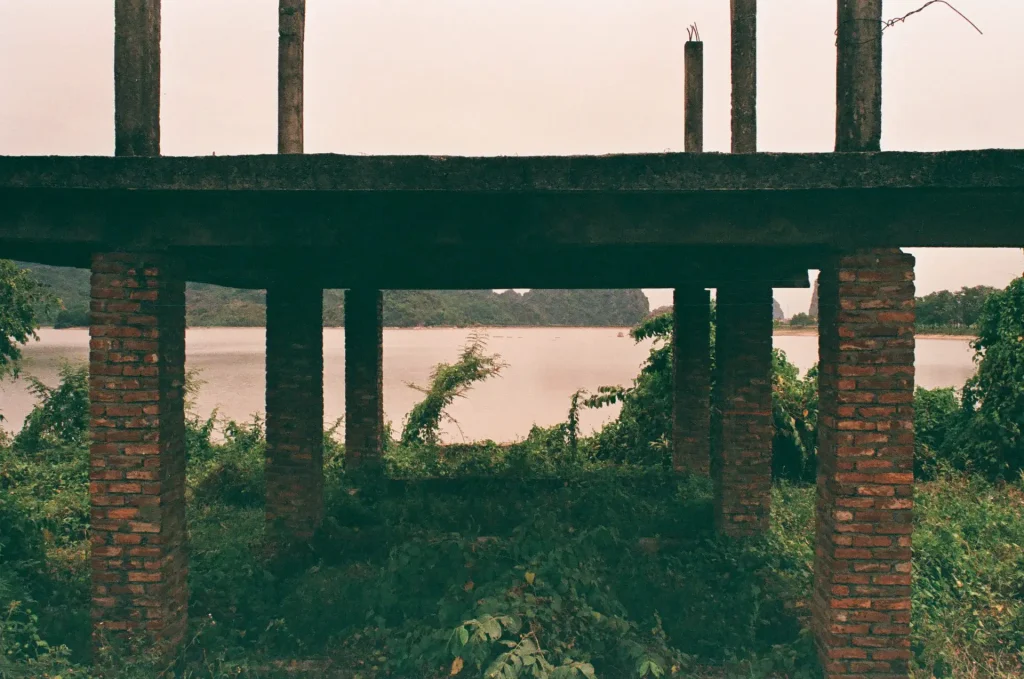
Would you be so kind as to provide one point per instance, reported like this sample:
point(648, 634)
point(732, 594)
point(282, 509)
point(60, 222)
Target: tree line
point(213, 305)
point(953, 312)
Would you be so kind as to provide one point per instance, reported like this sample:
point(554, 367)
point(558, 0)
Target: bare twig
point(899, 20)
point(692, 34)
point(889, 23)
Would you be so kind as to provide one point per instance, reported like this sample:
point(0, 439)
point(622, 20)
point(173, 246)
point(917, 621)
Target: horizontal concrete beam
point(660, 172)
point(455, 268)
point(379, 204)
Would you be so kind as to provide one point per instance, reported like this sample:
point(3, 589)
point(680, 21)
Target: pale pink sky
point(494, 77)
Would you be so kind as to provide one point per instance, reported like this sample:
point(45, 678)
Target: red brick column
point(742, 463)
point(691, 374)
point(861, 605)
point(137, 449)
point(364, 378)
point(295, 410)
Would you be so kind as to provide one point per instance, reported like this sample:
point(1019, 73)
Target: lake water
point(545, 366)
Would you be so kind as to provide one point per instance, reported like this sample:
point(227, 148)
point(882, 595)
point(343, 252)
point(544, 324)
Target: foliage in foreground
point(613, 569)
point(556, 556)
point(22, 299)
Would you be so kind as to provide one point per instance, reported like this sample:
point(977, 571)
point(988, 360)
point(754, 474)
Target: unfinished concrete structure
point(294, 224)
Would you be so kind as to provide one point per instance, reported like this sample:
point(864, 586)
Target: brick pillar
point(861, 605)
point(691, 374)
point(742, 463)
point(295, 409)
point(137, 448)
point(364, 378)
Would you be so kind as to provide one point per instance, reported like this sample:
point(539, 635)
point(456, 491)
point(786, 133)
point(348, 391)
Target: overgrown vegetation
point(558, 556)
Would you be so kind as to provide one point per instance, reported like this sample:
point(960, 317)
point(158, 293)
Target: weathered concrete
point(137, 449)
point(862, 566)
point(859, 75)
point(482, 268)
point(741, 464)
point(364, 379)
point(693, 97)
point(295, 409)
point(691, 378)
point(137, 77)
point(372, 221)
point(290, 76)
point(628, 173)
point(743, 16)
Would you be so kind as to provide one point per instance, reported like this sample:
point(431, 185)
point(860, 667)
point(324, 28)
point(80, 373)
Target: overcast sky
point(500, 77)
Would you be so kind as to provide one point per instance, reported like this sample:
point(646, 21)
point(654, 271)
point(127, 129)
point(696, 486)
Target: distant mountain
point(212, 305)
point(813, 310)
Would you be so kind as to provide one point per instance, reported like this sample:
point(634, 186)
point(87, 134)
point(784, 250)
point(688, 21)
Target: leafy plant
point(448, 382)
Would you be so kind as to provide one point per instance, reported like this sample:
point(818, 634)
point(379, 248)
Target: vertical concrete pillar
point(137, 448)
point(137, 77)
point(295, 409)
point(693, 96)
point(743, 16)
point(859, 75)
point(364, 378)
point(862, 568)
point(691, 375)
point(742, 462)
point(291, 30)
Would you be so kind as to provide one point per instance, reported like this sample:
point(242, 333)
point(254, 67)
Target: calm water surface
point(546, 365)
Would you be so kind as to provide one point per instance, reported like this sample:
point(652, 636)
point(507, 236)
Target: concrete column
point(743, 16)
point(742, 461)
point(693, 96)
point(137, 448)
point(137, 77)
point(862, 569)
point(295, 409)
point(364, 378)
point(859, 75)
point(291, 23)
point(691, 375)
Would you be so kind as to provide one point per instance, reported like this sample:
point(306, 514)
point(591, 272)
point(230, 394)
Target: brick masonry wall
point(742, 461)
point(364, 378)
point(295, 410)
point(861, 601)
point(691, 371)
point(137, 451)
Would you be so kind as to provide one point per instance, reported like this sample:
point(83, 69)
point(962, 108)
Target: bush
point(990, 435)
point(936, 415)
point(803, 320)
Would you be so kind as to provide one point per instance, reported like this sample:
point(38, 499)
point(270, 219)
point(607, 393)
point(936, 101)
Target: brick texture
point(364, 378)
point(691, 371)
point(295, 410)
point(862, 570)
point(137, 449)
point(742, 460)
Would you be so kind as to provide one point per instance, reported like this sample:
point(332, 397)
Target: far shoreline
point(785, 331)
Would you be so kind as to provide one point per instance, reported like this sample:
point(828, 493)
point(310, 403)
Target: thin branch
point(692, 34)
point(889, 23)
point(899, 20)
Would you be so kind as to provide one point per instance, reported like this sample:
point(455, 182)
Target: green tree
point(803, 320)
point(991, 437)
point(945, 309)
point(21, 300)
